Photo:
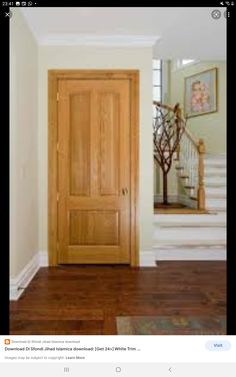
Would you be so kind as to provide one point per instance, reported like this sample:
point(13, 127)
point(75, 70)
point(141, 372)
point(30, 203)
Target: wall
point(158, 181)
point(158, 184)
point(69, 57)
point(23, 145)
point(212, 127)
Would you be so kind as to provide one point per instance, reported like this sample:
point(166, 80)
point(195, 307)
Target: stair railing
point(190, 156)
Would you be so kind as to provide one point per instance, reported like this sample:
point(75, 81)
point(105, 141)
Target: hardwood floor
point(176, 208)
point(179, 211)
point(70, 300)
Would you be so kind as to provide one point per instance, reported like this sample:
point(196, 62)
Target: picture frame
point(200, 93)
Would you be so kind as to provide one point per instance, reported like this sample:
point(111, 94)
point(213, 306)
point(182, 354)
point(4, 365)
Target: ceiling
point(173, 32)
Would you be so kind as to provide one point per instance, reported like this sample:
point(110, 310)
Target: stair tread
point(162, 218)
point(193, 235)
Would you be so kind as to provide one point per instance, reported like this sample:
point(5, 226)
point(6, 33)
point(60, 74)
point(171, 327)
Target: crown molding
point(99, 40)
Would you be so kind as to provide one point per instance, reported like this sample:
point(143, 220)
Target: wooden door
point(94, 171)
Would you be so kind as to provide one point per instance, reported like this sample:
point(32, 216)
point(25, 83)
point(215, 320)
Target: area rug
point(171, 325)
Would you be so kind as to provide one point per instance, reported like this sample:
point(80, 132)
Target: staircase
point(200, 235)
point(196, 236)
point(215, 183)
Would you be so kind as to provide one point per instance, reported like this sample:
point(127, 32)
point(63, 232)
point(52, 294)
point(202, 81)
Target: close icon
point(9, 14)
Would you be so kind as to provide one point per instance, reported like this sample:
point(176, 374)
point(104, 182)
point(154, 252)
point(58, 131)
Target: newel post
point(178, 113)
point(201, 187)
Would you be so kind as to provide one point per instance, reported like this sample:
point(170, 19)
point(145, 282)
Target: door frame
point(73, 74)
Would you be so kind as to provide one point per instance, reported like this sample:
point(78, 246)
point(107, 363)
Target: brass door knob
point(125, 191)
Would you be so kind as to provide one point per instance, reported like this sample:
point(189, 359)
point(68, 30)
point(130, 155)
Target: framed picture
point(200, 93)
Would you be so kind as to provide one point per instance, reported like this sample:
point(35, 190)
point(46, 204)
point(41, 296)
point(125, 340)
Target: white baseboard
point(43, 258)
point(198, 254)
point(18, 284)
point(147, 258)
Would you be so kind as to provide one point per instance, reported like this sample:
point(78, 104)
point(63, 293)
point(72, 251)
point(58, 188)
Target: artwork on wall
point(200, 93)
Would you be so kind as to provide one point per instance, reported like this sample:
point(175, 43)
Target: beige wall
point(158, 181)
point(23, 145)
point(212, 127)
point(54, 57)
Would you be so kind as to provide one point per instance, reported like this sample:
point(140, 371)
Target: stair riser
point(215, 196)
point(214, 185)
point(203, 220)
point(215, 180)
point(215, 174)
point(190, 225)
point(196, 238)
point(215, 204)
point(190, 254)
point(189, 244)
point(214, 192)
point(189, 236)
point(215, 162)
point(215, 165)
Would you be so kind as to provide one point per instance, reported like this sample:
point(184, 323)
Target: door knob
point(125, 191)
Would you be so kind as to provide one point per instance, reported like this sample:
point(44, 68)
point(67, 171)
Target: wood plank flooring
point(179, 211)
point(69, 300)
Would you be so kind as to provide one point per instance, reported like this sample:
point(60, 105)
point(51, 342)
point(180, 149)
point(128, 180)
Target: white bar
point(131, 349)
point(119, 370)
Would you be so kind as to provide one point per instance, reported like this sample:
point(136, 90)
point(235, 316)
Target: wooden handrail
point(167, 107)
point(199, 146)
point(175, 109)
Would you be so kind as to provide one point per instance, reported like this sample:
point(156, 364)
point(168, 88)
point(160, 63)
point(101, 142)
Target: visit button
point(214, 345)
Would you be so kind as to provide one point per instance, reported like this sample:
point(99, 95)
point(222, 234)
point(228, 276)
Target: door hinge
point(57, 147)
point(57, 96)
point(58, 195)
